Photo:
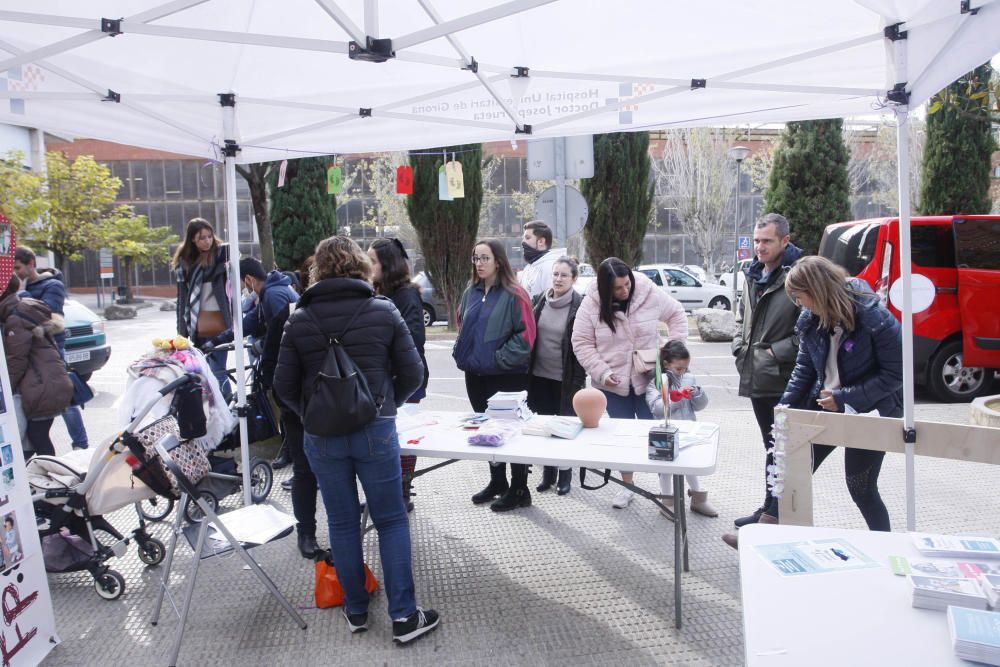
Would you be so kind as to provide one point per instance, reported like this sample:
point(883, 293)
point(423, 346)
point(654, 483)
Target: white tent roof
point(592, 66)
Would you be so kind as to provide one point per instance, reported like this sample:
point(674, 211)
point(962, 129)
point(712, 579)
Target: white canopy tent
point(252, 81)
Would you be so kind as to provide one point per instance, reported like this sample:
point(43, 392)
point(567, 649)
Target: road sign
point(744, 244)
point(744, 253)
point(578, 158)
point(576, 209)
point(107, 264)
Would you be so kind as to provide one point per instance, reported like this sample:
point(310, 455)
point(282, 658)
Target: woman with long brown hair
point(850, 360)
point(496, 332)
point(203, 312)
point(391, 278)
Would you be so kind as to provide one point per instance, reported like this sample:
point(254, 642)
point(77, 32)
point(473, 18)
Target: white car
point(587, 275)
point(726, 279)
point(691, 292)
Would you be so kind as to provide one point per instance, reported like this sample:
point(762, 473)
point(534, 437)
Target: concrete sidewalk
point(569, 580)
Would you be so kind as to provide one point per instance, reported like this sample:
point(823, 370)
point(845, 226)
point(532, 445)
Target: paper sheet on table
point(255, 524)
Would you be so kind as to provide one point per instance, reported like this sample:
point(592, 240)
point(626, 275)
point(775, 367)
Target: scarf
point(194, 297)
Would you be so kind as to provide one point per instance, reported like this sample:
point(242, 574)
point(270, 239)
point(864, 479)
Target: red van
point(957, 339)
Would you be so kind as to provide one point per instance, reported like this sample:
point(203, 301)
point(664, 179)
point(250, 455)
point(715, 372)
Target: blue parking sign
point(744, 243)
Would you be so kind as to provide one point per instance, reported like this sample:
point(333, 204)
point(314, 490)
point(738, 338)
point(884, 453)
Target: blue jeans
point(371, 455)
point(74, 424)
point(217, 364)
point(627, 407)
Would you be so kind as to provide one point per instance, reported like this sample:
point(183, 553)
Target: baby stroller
point(71, 494)
point(222, 440)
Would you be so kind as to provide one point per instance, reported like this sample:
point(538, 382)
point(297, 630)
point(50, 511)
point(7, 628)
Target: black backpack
point(341, 401)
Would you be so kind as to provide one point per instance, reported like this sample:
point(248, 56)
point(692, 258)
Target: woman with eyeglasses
point(496, 332)
point(391, 278)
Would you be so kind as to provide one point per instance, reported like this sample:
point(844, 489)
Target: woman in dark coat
point(36, 368)
point(850, 360)
point(340, 302)
point(555, 374)
point(391, 277)
point(203, 310)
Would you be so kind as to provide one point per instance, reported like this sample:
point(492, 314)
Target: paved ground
point(569, 580)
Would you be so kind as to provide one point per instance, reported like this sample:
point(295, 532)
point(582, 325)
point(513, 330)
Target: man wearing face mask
point(536, 276)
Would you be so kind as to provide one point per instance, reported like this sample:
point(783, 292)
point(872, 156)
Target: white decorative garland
point(776, 471)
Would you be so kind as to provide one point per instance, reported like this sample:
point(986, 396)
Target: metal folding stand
point(197, 537)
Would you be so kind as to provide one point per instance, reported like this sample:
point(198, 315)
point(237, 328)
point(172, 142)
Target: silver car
point(691, 292)
point(434, 308)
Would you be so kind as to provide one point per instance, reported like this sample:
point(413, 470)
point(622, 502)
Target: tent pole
point(230, 150)
point(903, 170)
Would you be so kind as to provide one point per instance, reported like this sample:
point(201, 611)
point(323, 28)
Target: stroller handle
point(179, 382)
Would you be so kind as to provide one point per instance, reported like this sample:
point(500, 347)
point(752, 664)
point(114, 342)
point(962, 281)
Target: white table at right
point(853, 617)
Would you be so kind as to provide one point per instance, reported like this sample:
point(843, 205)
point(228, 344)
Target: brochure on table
point(28, 626)
point(814, 557)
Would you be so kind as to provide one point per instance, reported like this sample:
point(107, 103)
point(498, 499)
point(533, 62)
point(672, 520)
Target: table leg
point(679, 537)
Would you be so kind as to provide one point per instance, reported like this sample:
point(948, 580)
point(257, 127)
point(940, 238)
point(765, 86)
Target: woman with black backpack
point(340, 312)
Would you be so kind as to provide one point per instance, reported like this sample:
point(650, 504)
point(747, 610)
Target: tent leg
point(903, 169)
point(230, 150)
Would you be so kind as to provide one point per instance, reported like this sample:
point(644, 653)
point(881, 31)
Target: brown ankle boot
point(699, 504)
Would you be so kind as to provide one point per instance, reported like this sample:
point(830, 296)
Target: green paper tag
point(334, 181)
point(899, 565)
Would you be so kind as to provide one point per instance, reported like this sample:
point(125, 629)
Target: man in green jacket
point(765, 345)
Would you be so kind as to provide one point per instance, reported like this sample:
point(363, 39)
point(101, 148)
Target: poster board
point(27, 622)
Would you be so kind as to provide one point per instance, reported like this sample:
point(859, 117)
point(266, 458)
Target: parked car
point(691, 292)
point(586, 275)
point(956, 340)
point(434, 307)
point(87, 348)
point(726, 277)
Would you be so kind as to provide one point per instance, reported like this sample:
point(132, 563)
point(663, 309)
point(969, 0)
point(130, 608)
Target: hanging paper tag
point(456, 184)
point(281, 173)
point(443, 193)
point(404, 180)
point(334, 181)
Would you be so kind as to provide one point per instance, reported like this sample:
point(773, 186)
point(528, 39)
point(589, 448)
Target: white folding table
point(854, 617)
point(616, 444)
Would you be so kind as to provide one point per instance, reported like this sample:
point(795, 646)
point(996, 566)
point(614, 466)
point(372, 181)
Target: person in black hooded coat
point(341, 302)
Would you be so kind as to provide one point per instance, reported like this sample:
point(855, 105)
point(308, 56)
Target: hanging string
point(287, 150)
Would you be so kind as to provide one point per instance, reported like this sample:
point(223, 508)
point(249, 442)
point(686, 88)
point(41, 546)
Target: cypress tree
point(956, 169)
point(302, 213)
point(809, 184)
point(619, 197)
point(446, 230)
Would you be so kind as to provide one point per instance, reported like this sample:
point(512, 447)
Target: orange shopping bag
point(328, 592)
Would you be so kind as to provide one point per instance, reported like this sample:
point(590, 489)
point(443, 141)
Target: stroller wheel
point(110, 585)
point(152, 551)
point(156, 508)
point(261, 480)
point(193, 513)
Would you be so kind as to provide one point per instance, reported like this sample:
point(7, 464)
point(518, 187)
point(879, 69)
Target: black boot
point(517, 495)
point(308, 546)
point(548, 479)
point(408, 491)
point(565, 477)
point(497, 486)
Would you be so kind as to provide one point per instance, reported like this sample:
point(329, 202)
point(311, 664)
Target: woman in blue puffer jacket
point(850, 356)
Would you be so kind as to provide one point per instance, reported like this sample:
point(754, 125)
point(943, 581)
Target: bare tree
point(872, 168)
point(697, 178)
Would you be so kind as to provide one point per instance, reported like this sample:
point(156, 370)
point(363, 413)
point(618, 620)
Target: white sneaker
point(622, 500)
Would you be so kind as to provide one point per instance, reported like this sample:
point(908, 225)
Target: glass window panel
point(189, 180)
point(172, 179)
point(978, 244)
point(933, 246)
point(206, 180)
point(154, 180)
point(138, 177)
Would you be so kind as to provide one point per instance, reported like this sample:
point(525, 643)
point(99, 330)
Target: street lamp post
point(738, 153)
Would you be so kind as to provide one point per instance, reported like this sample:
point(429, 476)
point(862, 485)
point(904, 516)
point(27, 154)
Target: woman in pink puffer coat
point(618, 316)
